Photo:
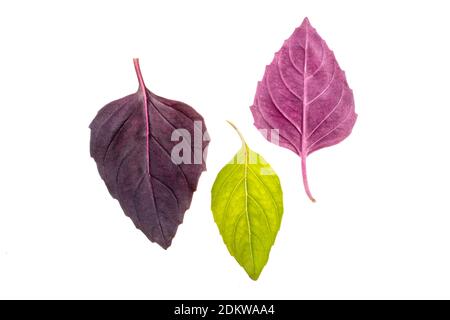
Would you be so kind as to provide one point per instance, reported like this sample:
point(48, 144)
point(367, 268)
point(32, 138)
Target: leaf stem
point(305, 180)
point(238, 132)
point(244, 144)
point(137, 67)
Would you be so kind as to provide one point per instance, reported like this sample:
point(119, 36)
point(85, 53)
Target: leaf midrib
point(250, 242)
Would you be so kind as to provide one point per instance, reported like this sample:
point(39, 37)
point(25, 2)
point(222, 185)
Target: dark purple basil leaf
point(131, 142)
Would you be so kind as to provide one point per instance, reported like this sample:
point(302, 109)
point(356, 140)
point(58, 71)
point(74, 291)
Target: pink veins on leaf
point(304, 94)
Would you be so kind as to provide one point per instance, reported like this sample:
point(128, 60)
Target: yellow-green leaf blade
point(247, 204)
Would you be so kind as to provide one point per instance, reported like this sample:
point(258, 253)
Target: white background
point(381, 224)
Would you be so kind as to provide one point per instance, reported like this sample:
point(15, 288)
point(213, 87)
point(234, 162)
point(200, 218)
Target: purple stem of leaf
point(305, 180)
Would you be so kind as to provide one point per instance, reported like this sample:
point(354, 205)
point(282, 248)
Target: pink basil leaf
point(304, 94)
point(131, 142)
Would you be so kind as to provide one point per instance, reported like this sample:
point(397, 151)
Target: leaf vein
point(267, 189)
point(225, 211)
point(279, 131)
point(227, 178)
point(168, 188)
point(286, 84)
point(329, 114)
point(326, 88)
point(331, 131)
point(262, 210)
point(291, 60)
point(322, 60)
point(280, 110)
point(116, 134)
point(168, 154)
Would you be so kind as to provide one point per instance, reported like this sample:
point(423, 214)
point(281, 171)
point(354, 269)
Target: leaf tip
point(306, 22)
point(165, 244)
point(254, 277)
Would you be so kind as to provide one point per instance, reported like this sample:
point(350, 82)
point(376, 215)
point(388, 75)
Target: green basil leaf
point(247, 204)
